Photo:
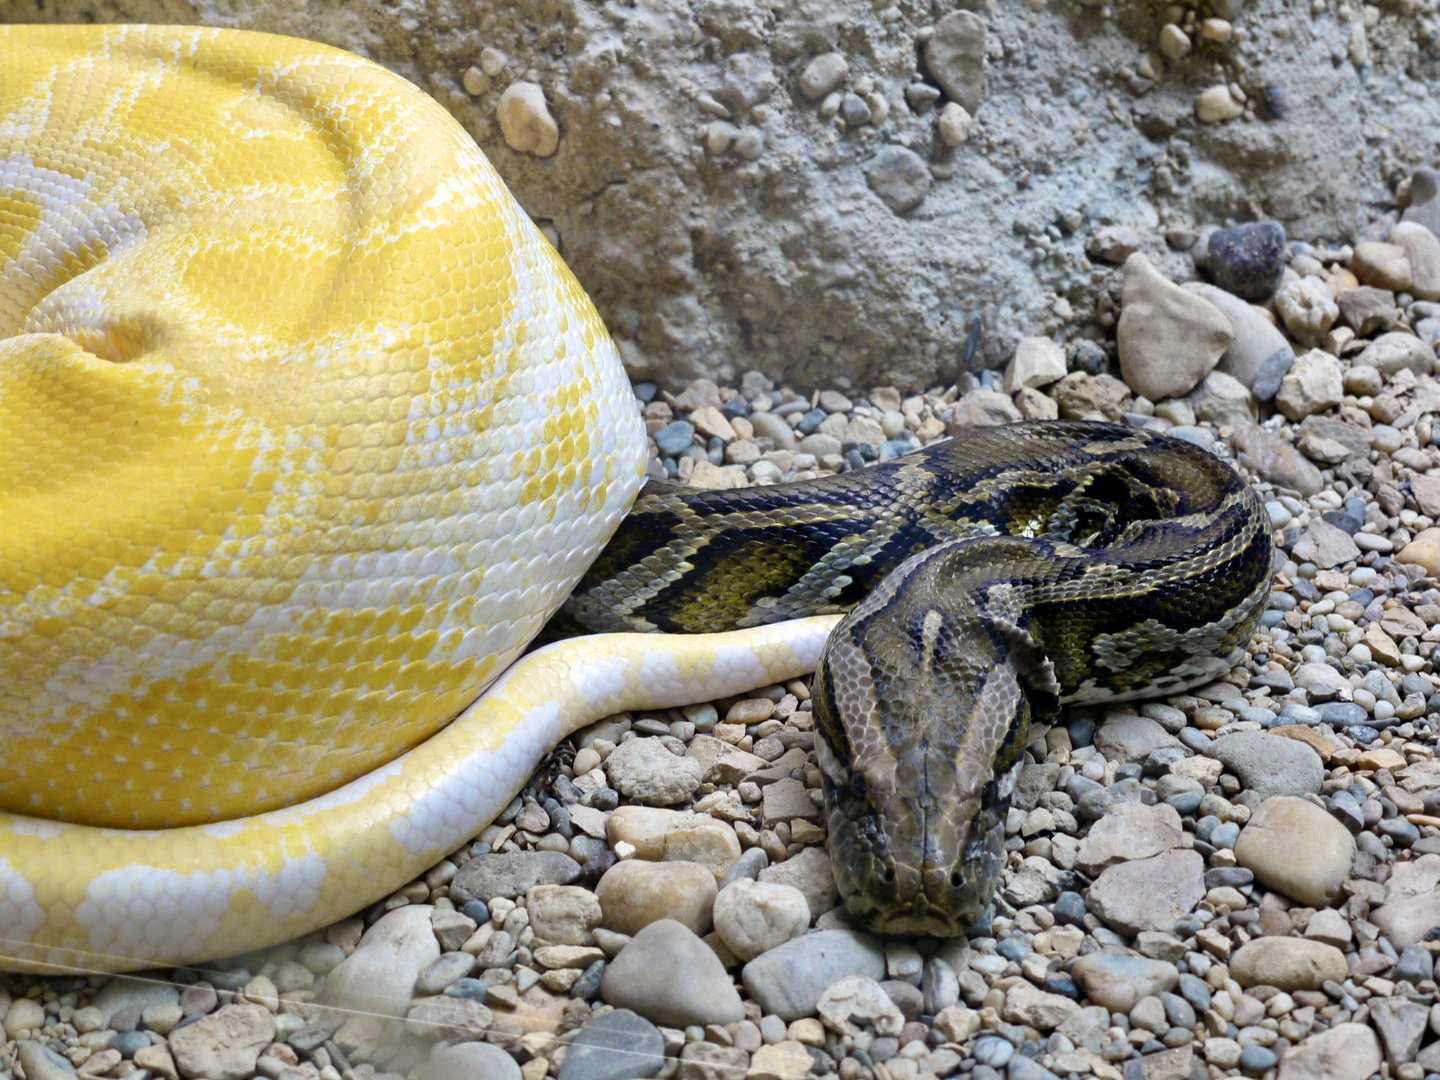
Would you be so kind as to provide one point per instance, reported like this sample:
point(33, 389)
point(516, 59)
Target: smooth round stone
point(753, 917)
point(468, 1060)
point(1341, 713)
point(1289, 963)
point(1225, 834)
point(633, 894)
point(1117, 981)
point(1070, 909)
point(1256, 1059)
point(674, 438)
point(129, 1041)
point(1185, 802)
point(993, 1051)
point(1296, 848)
point(672, 978)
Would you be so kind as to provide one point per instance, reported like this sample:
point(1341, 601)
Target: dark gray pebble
point(1247, 260)
point(619, 1045)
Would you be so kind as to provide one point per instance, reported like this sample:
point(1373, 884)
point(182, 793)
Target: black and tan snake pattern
point(989, 580)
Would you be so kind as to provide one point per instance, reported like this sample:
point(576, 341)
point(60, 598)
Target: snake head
point(921, 718)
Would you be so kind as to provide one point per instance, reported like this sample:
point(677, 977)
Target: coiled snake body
point(305, 431)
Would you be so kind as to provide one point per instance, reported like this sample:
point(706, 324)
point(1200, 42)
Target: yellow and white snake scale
point(304, 432)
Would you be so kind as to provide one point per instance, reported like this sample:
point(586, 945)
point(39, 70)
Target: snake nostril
point(890, 875)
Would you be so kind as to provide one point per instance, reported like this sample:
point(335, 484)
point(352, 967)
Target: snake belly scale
point(306, 432)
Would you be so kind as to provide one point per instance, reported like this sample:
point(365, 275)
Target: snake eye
point(857, 785)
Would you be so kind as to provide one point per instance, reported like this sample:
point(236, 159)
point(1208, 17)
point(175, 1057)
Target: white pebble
point(1216, 104)
point(492, 61)
point(525, 120)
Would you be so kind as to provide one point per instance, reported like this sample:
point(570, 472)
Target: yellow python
point(304, 432)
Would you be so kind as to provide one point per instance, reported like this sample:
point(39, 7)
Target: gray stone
point(1271, 373)
point(1367, 309)
point(645, 770)
point(822, 75)
point(451, 1016)
point(981, 408)
point(1268, 765)
point(1149, 894)
point(1401, 1024)
point(955, 56)
point(672, 978)
point(472, 1061)
point(379, 976)
point(511, 875)
point(1411, 911)
point(1424, 208)
point(42, 1063)
point(1128, 831)
point(769, 426)
point(1275, 460)
point(900, 177)
point(1256, 339)
point(1324, 545)
point(1124, 738)
point(619, 1045)
point(1345, 1052)
point(1118, 981)
point(1169, 338)
point(1391, 352)
point(789, 980)
point(226, 1044)
point(122, 993)
point(1220, 399)
point(444, 971)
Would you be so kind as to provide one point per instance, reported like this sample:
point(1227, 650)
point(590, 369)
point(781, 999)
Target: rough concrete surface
point(721, 225)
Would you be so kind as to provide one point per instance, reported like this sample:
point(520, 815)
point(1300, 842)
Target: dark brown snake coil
point(989, 580)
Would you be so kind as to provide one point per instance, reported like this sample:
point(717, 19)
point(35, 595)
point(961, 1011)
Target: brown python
point(989, 580)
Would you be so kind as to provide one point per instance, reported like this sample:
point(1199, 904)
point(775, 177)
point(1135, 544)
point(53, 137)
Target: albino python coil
point(305, 431)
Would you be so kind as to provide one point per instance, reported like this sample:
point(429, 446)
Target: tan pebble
point(1385, 266)
point(475, 81)
point(750, 711)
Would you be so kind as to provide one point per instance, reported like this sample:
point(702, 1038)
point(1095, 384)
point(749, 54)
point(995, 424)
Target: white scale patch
point(20, 916)
point(168, 916)
point(474, 790)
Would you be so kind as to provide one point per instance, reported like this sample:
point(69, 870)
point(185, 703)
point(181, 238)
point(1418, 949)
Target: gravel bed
point(1243, 879)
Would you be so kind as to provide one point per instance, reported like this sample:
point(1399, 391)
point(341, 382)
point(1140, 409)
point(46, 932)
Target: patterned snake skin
point(1003, 573)
point(306, 432)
